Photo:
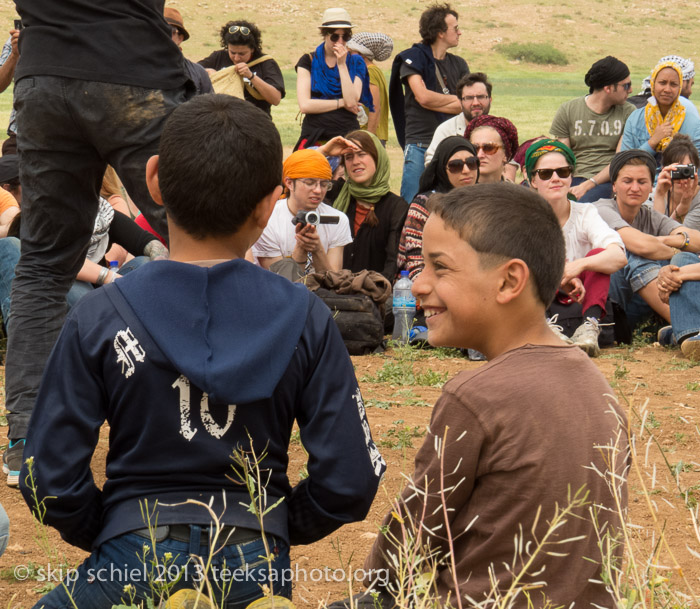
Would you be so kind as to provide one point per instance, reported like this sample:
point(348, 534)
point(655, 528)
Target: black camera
point(313, 217)
point(18, 24)
point(683, 172)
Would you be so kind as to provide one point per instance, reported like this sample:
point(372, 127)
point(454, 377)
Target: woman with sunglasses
point(376, 214)
point(593, 250)
point(496, 142)
point(331, 83)
point(651, 128)
point(242, 47)
point(454, 164)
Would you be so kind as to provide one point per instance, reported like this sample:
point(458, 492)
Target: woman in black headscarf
point(455, 164)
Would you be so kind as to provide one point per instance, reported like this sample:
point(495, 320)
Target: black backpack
point(357, 318)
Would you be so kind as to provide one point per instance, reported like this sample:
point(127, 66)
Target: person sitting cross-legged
point(292, 250)
point(650, 238)
point(593, 250)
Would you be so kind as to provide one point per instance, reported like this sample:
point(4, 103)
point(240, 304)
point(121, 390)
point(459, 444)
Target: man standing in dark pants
point(94, 86)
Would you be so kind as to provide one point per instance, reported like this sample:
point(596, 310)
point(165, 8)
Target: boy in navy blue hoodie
point(187, 361)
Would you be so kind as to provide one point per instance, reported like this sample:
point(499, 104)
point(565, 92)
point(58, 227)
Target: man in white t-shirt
point(307, 178)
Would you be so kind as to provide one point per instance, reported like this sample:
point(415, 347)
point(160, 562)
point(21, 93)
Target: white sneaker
point(558, 330)
point(586, 336)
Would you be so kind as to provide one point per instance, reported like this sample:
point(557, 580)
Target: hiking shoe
point(558, 330)
point(12, 461)
point(665, 337)
point(691, 347)
point(586, 336)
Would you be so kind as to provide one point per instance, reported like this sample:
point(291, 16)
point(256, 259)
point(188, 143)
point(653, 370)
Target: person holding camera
point(677, 192)
point(651, 238)
point(292, 245)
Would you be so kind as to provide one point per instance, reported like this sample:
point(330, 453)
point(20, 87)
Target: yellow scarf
point(675, 114)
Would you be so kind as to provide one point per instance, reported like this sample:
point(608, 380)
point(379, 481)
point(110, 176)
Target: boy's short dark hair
point(432, 21)
point(471, 79)
point(504, 221)
point(219, 157)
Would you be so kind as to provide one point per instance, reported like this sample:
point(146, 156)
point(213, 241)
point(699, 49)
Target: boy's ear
point(515, 275)
point(264, 209)
point(152, 179)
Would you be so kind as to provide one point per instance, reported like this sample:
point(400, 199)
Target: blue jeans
point(413, 166)
point(68, 131)
point(601, 191)
point(83, 288)
point(236, 574)
point(625, 283)
point(9, 256)
point(685, 302)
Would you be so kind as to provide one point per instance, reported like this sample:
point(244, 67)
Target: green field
point(637, 32)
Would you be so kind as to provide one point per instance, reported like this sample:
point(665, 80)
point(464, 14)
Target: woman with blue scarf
point(331, 83)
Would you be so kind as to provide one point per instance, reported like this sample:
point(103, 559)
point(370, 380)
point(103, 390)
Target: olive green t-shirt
point(593, 137)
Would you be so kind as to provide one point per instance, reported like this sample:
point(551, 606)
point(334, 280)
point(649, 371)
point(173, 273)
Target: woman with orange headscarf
point(651, 128)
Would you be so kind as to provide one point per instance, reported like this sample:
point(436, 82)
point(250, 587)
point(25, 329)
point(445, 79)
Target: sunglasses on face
point(626, 86)
point(546, 174)
point(234, 29)
point(346, 36)
point(457, 165)
point(488, 148)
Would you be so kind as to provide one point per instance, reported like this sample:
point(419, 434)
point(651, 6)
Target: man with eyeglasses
point(592, 127)
point(198, 75)
point(293, 249)
point(423, 89)
point(474, 91)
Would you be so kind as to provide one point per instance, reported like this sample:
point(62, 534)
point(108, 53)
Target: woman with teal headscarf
point(376, 214)
point(594, 251)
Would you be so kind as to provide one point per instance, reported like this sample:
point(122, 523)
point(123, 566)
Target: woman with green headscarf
point(376, 214)
point(594, 251)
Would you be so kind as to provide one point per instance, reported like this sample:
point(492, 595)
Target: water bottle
point(114, 267)
point(404, 308)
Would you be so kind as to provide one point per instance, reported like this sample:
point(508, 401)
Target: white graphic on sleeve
point(182, 384)
point(375, 456)
point(127, 346)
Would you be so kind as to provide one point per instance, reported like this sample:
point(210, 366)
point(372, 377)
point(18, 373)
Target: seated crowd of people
point(517, 250)
point(442, 115)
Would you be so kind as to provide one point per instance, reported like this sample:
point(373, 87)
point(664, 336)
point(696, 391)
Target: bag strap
point(441, 80)
point(250, 88)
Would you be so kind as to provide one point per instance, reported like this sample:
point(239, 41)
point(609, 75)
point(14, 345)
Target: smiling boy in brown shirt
point(524, 432)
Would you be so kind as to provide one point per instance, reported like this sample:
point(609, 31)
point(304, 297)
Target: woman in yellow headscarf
point(651, 128)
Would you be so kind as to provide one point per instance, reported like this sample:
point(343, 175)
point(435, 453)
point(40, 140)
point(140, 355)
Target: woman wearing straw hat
point(375, 46)
point(331, 83)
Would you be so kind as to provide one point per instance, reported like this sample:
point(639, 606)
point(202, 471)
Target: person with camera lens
point(295, 241)
point(652, 241)
point(677, 192)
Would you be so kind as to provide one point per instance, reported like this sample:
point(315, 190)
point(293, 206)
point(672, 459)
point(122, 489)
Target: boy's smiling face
point(457, 294)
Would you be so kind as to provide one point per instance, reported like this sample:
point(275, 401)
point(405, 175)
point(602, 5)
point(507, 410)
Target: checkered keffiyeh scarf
point(373, 45)
point(686, 65)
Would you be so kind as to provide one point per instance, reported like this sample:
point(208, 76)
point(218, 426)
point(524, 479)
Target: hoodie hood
point(231, 329)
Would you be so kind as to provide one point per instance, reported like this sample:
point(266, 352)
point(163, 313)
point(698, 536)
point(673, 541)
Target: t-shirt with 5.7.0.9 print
point(593, 137)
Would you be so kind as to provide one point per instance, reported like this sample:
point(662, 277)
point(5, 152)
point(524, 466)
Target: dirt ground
point(661, 386)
